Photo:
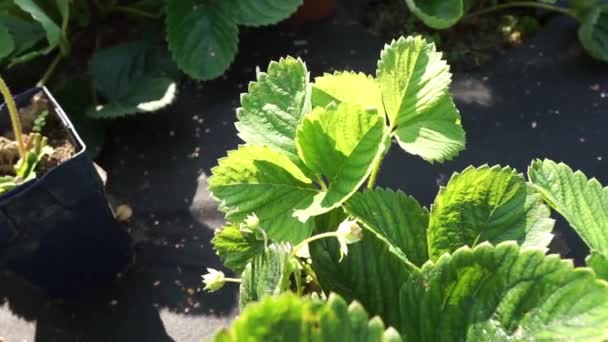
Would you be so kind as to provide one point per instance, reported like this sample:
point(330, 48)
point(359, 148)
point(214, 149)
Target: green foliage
point(339, 146)
point(203, 37)
point(260, 180)
point(487, 204)
point(275, 105)
point(236, 248)
point(25, 169)
point(503, 293)
point(591, 14)
point(581, 201)
point(141, 79)
point(131, 76)
point(472, 269)
point(290, 318)
point(395, 217)
point(300, 162)
point(437, 13)
point(429, 125)
point(267, 274)
point(593, 33)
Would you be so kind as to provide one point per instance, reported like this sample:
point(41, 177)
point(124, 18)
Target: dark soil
point(467, 45)
point(58, 136)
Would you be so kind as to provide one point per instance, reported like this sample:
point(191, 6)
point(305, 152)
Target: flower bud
point(348, 232)
point(214, 280)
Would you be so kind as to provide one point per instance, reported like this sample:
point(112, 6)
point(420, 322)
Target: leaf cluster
point(472, 267)
point(138, 75)
point(592, 16)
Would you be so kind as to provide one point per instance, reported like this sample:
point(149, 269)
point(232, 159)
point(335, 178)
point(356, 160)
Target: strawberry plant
point(301, 218)
point(583, 202)
point(30, 153)
point(137, 75)
point(592, 16)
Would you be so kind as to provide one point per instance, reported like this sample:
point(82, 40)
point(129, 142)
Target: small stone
point(123, 213)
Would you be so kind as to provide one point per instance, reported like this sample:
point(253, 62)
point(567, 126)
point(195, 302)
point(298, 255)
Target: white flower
point(214, 280)
point(303, 252)
point(252, 221)
point(348, 233)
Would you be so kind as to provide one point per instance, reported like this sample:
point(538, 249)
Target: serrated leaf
point(371, 273)
point(265, 12)
point(483, 294)
point(275, 105)
point(260, 180)
point(133, 78)
point(291, 318)
point(236, 249)
point(52, 29)
point(349, 87)
point(491, 204)
point(25, 35)
point(395, 217)
point(7, 44)
point(593, 32)
point(203, 36)
point(503, 293)
point(414, 81)
point(339, 145)
point(599, 263)
point(267, 274)
point(581, 201)
point(438, 14)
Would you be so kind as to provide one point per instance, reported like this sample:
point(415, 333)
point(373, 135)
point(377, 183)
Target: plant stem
point(516, 4)
point(135, 12)
point(50, 70)
point(374, 175)
point(15, 120)
point(376, 168)
point(232, 280)
point(311, 239)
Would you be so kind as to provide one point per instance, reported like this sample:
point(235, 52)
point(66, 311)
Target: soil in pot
point(38, 117)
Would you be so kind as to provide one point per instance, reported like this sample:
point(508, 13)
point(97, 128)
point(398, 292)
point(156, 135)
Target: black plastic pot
point(57, 231)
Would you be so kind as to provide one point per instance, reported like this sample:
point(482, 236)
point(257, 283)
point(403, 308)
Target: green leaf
point(275, 105)
point(260, 180)
point(236, 249)
point(7, 44)
point(25, 35)
point(395, 217)
point(265, 12)
point(599, 263)
point(483, 294)
point(438, 14)
point(491, 204)
point(139, 80)
point(53, 31)
point(291, 318)
point(267, 274)
point(414, 81)
point(503, 293)
point(581, 201)
point(202, 36)
point(339, 145)
point(371, 273)
point(349, 87)
point(593, 32)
